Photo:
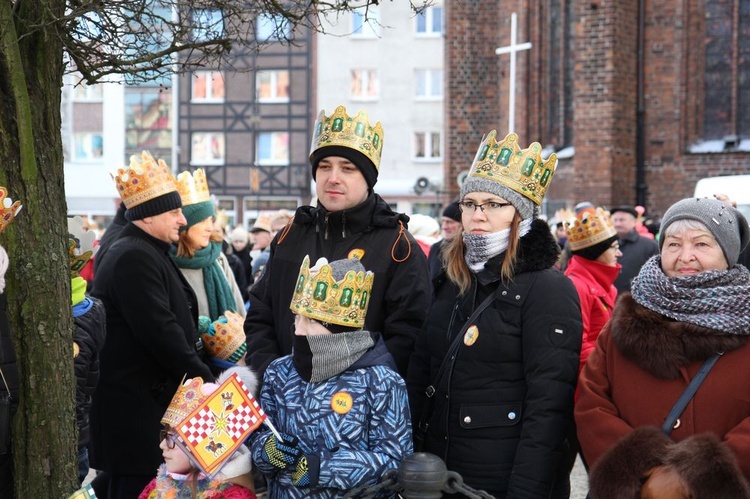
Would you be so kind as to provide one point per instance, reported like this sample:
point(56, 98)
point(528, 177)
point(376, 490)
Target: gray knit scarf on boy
point(714, 299)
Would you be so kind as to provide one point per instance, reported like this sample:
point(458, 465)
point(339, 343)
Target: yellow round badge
point(357, 253)
point(341, 402)
point(471, 335)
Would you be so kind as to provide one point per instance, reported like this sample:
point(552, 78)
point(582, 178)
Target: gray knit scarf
point(481, 247)
point(714, 299)
point(318, 357)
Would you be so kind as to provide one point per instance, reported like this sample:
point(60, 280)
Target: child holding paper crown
point(89, 332)
point(338, 401)
point(212, 463)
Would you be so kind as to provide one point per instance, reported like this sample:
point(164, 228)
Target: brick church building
point(641, 98)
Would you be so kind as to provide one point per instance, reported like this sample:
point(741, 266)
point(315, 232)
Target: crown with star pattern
point(523, 170)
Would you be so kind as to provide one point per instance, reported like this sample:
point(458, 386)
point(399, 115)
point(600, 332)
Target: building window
point(427, 146)
point(364, 84)
point(208, 86)
point(208, 24)
point(430, 21)
point(269, 28)
point(273, 148)
point(557, 113)
point(148, 121)
point(429, 83)
point(207, 148)
point(366, 23)
point(88, 146)
point(726, 84)
point(272, 86)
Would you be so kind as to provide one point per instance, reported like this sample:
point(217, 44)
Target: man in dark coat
point(152, 340)
point(349, 220)
point(635, 248)
point(450, 227)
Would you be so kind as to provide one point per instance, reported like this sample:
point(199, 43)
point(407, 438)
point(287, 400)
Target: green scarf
point(218, 292)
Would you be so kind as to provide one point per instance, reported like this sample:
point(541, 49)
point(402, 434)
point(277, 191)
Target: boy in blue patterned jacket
point(337, 400)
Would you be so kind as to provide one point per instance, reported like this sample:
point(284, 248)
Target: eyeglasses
point(489, 206)
point(168, 437)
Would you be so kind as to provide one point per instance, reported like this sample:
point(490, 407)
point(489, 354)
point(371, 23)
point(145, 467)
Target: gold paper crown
point(228, 341)
point(144, 180)
point(9, 209)
point(589, 228)
point(318, 296)
point(355, 133)
point(188, 397)
point(80, 245)
point(522, 170)
point(193, 188)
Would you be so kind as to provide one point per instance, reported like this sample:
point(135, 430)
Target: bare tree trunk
point(38, 280)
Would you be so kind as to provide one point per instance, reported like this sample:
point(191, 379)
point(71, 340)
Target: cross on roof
point(512, 49)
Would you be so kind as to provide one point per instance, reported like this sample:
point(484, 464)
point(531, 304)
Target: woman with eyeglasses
point(492, 378)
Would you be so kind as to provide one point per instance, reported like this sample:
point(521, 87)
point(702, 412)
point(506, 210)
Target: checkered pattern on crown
point(227, 338)
point(589, 228)
point(320, 297)
point(9, 209)
point(144, 180)
point(356, 133)
point(523, 170)
point(193, 187)
point(189, 397)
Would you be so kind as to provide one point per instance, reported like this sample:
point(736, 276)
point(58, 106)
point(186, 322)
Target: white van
point(737, 187)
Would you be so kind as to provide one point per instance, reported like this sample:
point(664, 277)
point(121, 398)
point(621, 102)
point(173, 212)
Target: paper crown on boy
point(335, 293)
point(520, 176)
point(8, 209)
point(80, 245)
point(351, 137)
point(212, 420)
point(147, 187)
point(224, 339)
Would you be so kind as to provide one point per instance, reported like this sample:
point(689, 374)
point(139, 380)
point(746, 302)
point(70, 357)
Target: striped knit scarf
point(481, 247)
point(714, 299)
point(317, 357)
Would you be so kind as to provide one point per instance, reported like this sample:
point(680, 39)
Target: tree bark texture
point(44, 441)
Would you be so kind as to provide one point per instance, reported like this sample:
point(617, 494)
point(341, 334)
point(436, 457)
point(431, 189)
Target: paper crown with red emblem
point(211, 421)
point(143, 180)
point(590, 227)
point(80, 245)
point(9, 209)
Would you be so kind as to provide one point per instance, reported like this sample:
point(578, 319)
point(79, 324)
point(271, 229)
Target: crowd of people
point(505, 344)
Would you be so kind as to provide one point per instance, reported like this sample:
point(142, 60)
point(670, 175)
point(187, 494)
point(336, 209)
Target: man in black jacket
point(635, 248)
point(349, 220)
point(152, 340)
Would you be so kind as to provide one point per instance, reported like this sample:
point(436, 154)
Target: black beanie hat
point(156, 206)
point(595, 251)
point(452, 211)
point(361, 161)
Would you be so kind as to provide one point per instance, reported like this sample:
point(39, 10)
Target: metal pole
point(512, 99)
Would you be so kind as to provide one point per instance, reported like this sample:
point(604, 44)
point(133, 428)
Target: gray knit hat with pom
point(728, 226)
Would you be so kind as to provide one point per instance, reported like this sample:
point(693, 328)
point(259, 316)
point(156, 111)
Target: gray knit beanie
point(728, 226)
point(524, 205)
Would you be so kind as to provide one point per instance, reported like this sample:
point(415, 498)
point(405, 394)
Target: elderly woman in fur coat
point(687, 304)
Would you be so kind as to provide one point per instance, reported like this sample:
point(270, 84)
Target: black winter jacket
point(505, 403)
point(151, 345)
point(89, 332)
point(400, 294)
